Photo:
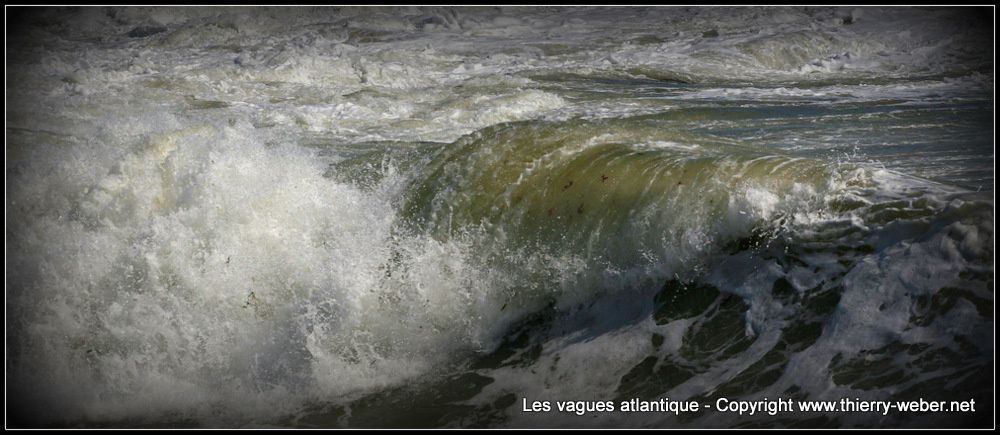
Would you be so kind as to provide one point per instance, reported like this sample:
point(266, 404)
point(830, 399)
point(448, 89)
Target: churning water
point(367, 217)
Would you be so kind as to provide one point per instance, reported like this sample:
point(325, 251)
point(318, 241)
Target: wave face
point(416, 217)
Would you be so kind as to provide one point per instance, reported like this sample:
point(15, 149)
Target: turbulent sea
point(420, 217)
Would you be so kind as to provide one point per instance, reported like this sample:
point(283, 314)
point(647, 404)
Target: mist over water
point(417, 217)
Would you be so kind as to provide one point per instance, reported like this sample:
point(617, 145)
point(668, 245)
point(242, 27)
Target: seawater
point(421, 217)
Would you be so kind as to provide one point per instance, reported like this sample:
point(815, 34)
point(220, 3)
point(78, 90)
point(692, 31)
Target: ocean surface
point(424, 217)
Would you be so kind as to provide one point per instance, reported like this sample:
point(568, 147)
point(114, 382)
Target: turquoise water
point(423, 217)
